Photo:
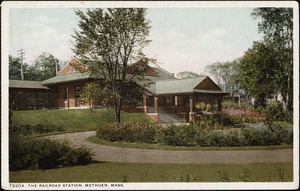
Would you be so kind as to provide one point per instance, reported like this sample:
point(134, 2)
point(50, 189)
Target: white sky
point(183, 39)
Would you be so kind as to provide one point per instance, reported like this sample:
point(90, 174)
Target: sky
point(183, 39)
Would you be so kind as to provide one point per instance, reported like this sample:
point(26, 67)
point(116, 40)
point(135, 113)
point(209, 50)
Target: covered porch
point(181, 100)
point(180, 108)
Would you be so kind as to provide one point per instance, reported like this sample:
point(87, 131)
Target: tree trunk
point(118, 102)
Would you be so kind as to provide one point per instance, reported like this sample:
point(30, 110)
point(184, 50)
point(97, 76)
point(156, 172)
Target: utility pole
point(21, 53)
point(56, 67)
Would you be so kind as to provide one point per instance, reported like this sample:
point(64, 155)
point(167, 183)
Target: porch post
point(155, 104)
point(219, 104)
point(145, 103)
point(192, 113)
point(36, 99)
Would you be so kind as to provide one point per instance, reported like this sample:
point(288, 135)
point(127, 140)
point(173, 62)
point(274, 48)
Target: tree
point(225, 74)
point(92, 94)
point(106, 42)
point(277, 26)
point(256, 72)
point(44, 67)
point(15, 68)
point(187, 74)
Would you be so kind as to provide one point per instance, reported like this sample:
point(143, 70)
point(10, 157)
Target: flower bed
point(234, 111)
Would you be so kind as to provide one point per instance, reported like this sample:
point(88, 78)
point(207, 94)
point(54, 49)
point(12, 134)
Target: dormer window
point(70, 69)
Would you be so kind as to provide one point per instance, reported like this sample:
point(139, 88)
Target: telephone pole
point(21, 53)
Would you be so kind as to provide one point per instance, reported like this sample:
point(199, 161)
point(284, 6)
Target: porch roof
point(181, 86)
point(26, 84)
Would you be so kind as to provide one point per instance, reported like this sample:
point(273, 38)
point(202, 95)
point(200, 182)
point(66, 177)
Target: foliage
point(203, 133)
point(93, 94)
point(106, 42)
point(26, 130)
point(256, 67)
point(173, 135)
point(44, 67)
point(206, 106)
point(41, 153)
point(275, 112)
point(128, 131)
point(15, 68)
point(44, 154)
point(245, 118)
point(187, 74)
point(225, 74)
point(242, 105)
point(277, 26)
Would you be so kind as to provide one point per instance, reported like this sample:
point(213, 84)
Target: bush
point(26, 130)
point(128, 131)
point(225, 120)
point(202, 133)
point(182, 135)
point(275, 112)
point(44, 154)
point(218, 138)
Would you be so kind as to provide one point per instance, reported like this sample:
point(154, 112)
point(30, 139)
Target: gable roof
point(69, 66)
point(184, 86)
point(26, 84)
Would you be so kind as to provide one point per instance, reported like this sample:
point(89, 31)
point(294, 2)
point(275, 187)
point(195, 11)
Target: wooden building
point(27, 95)
point(167, 99)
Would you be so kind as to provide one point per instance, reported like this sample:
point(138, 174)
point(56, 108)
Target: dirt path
point(128, 155)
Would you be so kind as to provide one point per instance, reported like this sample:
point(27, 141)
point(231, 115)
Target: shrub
point(201, 106)
point(265, 137)
point(44, 154)
point(202, 133)
point(182, 135)
point(275, 112)
point(224, 119)
point(128, 131)
point(26, 130)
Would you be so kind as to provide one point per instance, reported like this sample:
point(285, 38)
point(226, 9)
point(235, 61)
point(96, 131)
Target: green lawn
point(120, 172)
point(74, 119)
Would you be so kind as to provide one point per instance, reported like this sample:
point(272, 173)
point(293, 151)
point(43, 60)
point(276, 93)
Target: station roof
point(26, 84)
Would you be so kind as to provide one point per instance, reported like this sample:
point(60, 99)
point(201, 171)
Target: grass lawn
point(73, 119)
point(120, 172)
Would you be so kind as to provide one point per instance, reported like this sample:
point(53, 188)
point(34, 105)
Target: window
point(169, 100)
point(70, 69)
point(66, 93)
point(77, 91)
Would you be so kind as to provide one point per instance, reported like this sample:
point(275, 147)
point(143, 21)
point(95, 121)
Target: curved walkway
point(129, 155)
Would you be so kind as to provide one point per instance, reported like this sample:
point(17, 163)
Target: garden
point(270, 128)
point(235, 126)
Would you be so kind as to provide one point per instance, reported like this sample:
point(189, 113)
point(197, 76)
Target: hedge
point(195, 134)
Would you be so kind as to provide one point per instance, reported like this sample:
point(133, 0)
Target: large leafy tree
point(106, 42)
point(44, 67)
point(225, 74)
point(277, 26)
point(257, 72)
